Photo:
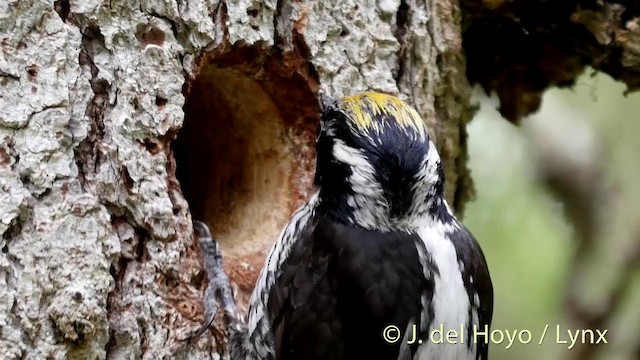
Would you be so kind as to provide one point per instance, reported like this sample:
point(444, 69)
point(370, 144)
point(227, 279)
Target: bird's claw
point(218, 293)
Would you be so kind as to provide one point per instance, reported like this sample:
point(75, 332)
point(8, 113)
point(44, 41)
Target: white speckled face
point(376, 166)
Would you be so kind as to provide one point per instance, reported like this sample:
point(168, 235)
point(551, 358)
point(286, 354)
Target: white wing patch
point(278, 254)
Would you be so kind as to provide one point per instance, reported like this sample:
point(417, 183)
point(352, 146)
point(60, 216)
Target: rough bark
point(97, 255)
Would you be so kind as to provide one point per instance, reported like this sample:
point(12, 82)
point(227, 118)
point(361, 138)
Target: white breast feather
point(450, 299)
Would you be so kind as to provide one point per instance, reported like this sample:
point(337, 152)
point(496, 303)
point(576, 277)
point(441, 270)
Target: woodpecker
point(375, 263)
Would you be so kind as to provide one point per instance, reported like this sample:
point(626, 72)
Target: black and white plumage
point(377, 245)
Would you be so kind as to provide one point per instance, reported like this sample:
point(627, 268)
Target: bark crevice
point(87, 153)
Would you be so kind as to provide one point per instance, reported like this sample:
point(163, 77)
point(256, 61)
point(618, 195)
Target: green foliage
point(522, 229)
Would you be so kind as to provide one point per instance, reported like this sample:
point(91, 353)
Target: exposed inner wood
point(244, 164)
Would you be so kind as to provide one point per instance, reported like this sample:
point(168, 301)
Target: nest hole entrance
point(245, 158)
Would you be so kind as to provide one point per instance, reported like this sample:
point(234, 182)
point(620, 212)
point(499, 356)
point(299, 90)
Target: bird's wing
point(259, 320)
point(293, 303)
point(341, 288)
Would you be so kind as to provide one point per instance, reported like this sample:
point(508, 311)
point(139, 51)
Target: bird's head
point(376, 167)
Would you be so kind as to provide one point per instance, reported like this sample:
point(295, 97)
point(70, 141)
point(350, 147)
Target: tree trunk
point(120, 121)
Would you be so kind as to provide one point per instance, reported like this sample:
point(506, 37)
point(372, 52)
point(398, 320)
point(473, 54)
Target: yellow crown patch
point(365, 109)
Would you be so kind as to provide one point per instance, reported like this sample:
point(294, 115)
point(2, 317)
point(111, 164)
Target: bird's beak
point(325, 101)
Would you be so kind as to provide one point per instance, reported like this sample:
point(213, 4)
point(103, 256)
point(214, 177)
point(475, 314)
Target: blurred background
point(557, 212)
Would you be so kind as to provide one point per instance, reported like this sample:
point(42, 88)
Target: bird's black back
point(340, 287)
